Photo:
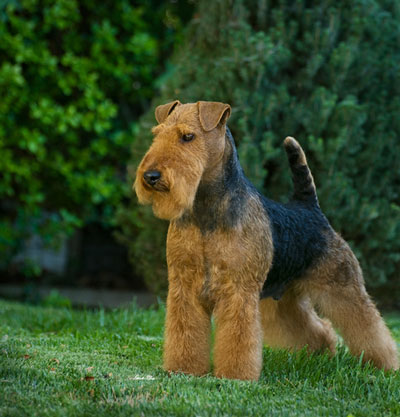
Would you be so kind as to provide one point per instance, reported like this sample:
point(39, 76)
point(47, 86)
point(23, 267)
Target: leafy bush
point(74, 75)
point(325, 72)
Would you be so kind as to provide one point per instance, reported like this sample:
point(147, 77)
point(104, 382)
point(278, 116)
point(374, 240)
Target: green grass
point(62, 362)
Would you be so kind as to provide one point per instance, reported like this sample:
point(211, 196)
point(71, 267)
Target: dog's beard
point(172, 197)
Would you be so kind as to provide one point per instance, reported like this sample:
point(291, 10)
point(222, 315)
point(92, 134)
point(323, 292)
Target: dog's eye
point(187, 137)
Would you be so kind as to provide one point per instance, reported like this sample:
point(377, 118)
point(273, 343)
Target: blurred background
point(79, 81)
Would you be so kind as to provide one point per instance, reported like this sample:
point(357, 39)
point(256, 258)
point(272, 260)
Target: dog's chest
point(232, 263)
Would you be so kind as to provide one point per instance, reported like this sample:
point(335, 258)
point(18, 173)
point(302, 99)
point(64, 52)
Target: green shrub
point(74, 75)
point(325, 72)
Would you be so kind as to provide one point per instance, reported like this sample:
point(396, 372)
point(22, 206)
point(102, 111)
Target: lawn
point(63, 362)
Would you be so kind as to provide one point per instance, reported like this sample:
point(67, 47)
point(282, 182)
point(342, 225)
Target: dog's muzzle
point(152, 177)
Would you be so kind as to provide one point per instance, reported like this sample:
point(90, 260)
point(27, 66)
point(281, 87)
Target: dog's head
point(188, 147)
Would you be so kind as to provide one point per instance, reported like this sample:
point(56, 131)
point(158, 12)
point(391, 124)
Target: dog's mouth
point(160, 186)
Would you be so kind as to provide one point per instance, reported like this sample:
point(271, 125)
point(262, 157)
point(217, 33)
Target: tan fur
point(336, 287)
point(292, 323)
point(293, 142)
point(187, 328)
point(221, 273)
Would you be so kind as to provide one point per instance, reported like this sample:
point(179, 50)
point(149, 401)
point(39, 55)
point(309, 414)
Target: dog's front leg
point(188, 323)
point(187, 333)
point(238, 342)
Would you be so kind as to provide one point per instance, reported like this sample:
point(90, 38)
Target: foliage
point(324, 72)
point(55, 299)
point(61, 362)
point(73, 78)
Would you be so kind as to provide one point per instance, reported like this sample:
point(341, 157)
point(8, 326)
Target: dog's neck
point(219, 202)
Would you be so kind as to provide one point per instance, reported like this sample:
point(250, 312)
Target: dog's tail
point(303, 182)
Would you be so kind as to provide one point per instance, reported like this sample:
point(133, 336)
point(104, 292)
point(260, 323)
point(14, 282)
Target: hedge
point(74, 76)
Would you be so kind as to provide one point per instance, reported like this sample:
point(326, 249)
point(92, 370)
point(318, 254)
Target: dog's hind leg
point(292, 323)
point(341, 296)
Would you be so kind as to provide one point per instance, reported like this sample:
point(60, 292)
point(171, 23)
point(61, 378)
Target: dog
point(262, 269)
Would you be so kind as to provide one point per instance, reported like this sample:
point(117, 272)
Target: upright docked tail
point(303, 182)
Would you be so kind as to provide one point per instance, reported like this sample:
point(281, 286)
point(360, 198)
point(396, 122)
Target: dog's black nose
point(151, 177)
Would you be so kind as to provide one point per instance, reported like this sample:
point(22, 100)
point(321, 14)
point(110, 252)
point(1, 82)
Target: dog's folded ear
point(212, 113)
point(163, 111)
